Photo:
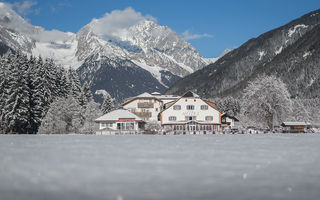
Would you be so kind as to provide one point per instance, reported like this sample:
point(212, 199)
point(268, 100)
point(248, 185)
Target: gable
point(197, 102)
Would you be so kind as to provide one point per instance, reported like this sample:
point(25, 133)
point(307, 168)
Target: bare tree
point(266, 100)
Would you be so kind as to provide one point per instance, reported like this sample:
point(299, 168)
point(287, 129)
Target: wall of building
point(181, 114)
point(143, 109)
point(114, 126)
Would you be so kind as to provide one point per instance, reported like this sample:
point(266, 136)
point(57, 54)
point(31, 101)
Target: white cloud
point(115, 23)
point(25, 7)
point(189, 36)
point(51, 36)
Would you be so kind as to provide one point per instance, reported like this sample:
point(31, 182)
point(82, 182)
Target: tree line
point(266, 102)
point(37, 93)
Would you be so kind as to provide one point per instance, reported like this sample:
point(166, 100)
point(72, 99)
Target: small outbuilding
point(228, 121)
point(295, 127)
point(120, 121)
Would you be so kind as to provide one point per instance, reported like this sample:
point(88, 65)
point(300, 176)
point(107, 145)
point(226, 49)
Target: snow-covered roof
point(145, 95)
point(190, 94)
point(295, 124)
point(115, 115)
point(156, 93)
point(168, 97)
point(229, 116)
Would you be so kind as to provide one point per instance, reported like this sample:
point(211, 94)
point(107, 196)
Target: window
point(209, 118)
point(125, 126)
point(190, 118)
point(132, 110)
point(176, 107)
point(204, 107)
point(144, 110)
point(172, 118)
point(190, 107)
point(104, 125)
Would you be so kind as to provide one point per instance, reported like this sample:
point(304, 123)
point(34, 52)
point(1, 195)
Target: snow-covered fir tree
point(65, 115)
point(91, 112)
point(28, 86)
point(86, 94)
point(108, 104)
point(16, 108)
point(74, 81)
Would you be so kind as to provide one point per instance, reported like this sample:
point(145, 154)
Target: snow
point(189, 69)
point(115, 115)
point(292, 31)
point(311, 82)
point(306, 54)
point(102, 92)
point(279, 50)
point(261, 54)
point(62, 52)
point(76, 167)
point(154, 70)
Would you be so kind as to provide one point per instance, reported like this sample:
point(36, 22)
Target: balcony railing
point(143, 114)
point(145, 105)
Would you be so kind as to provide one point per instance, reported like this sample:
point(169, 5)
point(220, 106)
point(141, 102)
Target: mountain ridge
point(155, 49)
point(229, 75)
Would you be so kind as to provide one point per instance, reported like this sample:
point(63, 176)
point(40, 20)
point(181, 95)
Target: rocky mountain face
point(150, 57)
point(145, 57)
point(291, 52)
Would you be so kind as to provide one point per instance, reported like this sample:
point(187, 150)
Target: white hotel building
point(191, 114)
point(179, 114)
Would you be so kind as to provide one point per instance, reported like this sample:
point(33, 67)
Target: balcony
point(145, 105)
point(143, 114)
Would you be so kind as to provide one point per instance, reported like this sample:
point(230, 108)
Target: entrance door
point(192, 127)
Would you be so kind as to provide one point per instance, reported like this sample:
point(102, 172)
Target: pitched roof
point(231, 117)
point(144, 95)
point(115, 115)
point(295, 124)
point(155, 93)
point(190, 94)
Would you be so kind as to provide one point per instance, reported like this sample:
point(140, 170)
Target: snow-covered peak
point(10, 19)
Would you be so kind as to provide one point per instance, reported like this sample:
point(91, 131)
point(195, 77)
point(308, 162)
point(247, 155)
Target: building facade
point(190, 114)
point(229, 122)
point(120, 121)
point(147, 106)
point(295, 127)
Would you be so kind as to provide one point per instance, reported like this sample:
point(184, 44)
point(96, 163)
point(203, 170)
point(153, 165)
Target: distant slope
point(290, 52)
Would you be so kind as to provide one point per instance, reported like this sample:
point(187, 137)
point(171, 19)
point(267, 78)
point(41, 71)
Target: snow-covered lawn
point(266, 166)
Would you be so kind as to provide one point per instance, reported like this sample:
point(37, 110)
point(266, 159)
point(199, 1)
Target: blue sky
point(211, 26)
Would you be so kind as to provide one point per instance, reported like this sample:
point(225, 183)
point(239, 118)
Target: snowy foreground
point(269, 166)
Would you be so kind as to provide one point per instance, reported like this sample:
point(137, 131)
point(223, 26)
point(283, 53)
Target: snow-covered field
point(267, 166)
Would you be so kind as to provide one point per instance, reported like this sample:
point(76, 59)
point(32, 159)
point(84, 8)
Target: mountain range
point(290, 52)
point(144, 57)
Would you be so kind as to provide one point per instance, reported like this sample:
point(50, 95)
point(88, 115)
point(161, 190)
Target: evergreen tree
point(107, 104)
point(86, 95)
point(91, 113)
point(75, 84)
point(63, 116)
point(16, 109)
